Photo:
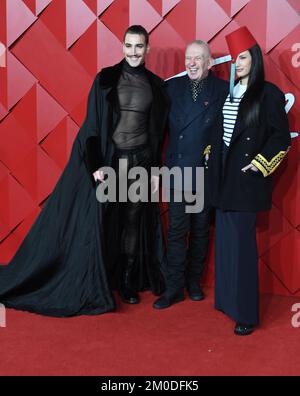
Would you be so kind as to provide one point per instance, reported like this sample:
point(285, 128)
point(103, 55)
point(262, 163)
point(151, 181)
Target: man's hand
point(154, 184)
point(251, 167)
point(99, 175)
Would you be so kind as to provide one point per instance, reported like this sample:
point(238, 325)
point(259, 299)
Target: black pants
point(188, 239)
point(131, 211)
point(236, 266)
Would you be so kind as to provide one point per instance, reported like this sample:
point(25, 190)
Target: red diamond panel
point(283, 259)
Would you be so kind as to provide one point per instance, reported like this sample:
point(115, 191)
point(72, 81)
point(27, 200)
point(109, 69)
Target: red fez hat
point(239, 41)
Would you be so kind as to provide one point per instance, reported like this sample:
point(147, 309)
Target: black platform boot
point(127, 290)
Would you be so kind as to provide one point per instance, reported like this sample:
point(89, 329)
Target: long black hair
point(251, 103)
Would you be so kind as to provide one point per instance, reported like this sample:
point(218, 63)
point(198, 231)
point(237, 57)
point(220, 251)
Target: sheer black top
point(135, 98)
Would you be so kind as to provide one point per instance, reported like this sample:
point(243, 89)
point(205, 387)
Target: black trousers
point(236, 266)
point(188, 239)
point(131, 211)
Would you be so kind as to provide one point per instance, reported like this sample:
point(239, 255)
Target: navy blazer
point(190, 123)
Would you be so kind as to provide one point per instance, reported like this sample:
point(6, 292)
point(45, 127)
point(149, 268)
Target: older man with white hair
point(195, 98)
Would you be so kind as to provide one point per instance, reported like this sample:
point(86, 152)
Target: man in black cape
point(76, 252)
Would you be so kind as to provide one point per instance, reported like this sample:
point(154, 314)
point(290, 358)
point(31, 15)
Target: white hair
point(201, 43)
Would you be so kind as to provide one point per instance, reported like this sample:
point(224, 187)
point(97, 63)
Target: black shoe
point(127, 291)
point(195, 292)
point(129, 296)
point(243, 329)
point(168, 299)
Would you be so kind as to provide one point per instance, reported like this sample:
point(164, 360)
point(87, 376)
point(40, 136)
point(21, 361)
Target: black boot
point(194, 290)
point(127, 290)
point(169, 298)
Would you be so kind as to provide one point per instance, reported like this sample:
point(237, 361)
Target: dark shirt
point(198, 87)
point(135, 98)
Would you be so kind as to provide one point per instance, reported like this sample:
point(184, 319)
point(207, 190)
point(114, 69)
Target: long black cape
point(61, 268)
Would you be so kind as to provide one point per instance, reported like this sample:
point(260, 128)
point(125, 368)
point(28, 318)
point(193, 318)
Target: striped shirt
point(230, 112)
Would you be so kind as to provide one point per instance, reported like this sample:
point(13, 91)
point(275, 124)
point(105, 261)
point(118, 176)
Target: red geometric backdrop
point(54, 48)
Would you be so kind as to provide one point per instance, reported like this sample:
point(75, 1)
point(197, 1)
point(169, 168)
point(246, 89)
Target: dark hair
point(250, 105)
point(137, 29)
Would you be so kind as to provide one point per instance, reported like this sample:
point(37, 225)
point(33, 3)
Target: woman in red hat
point(251, 138)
